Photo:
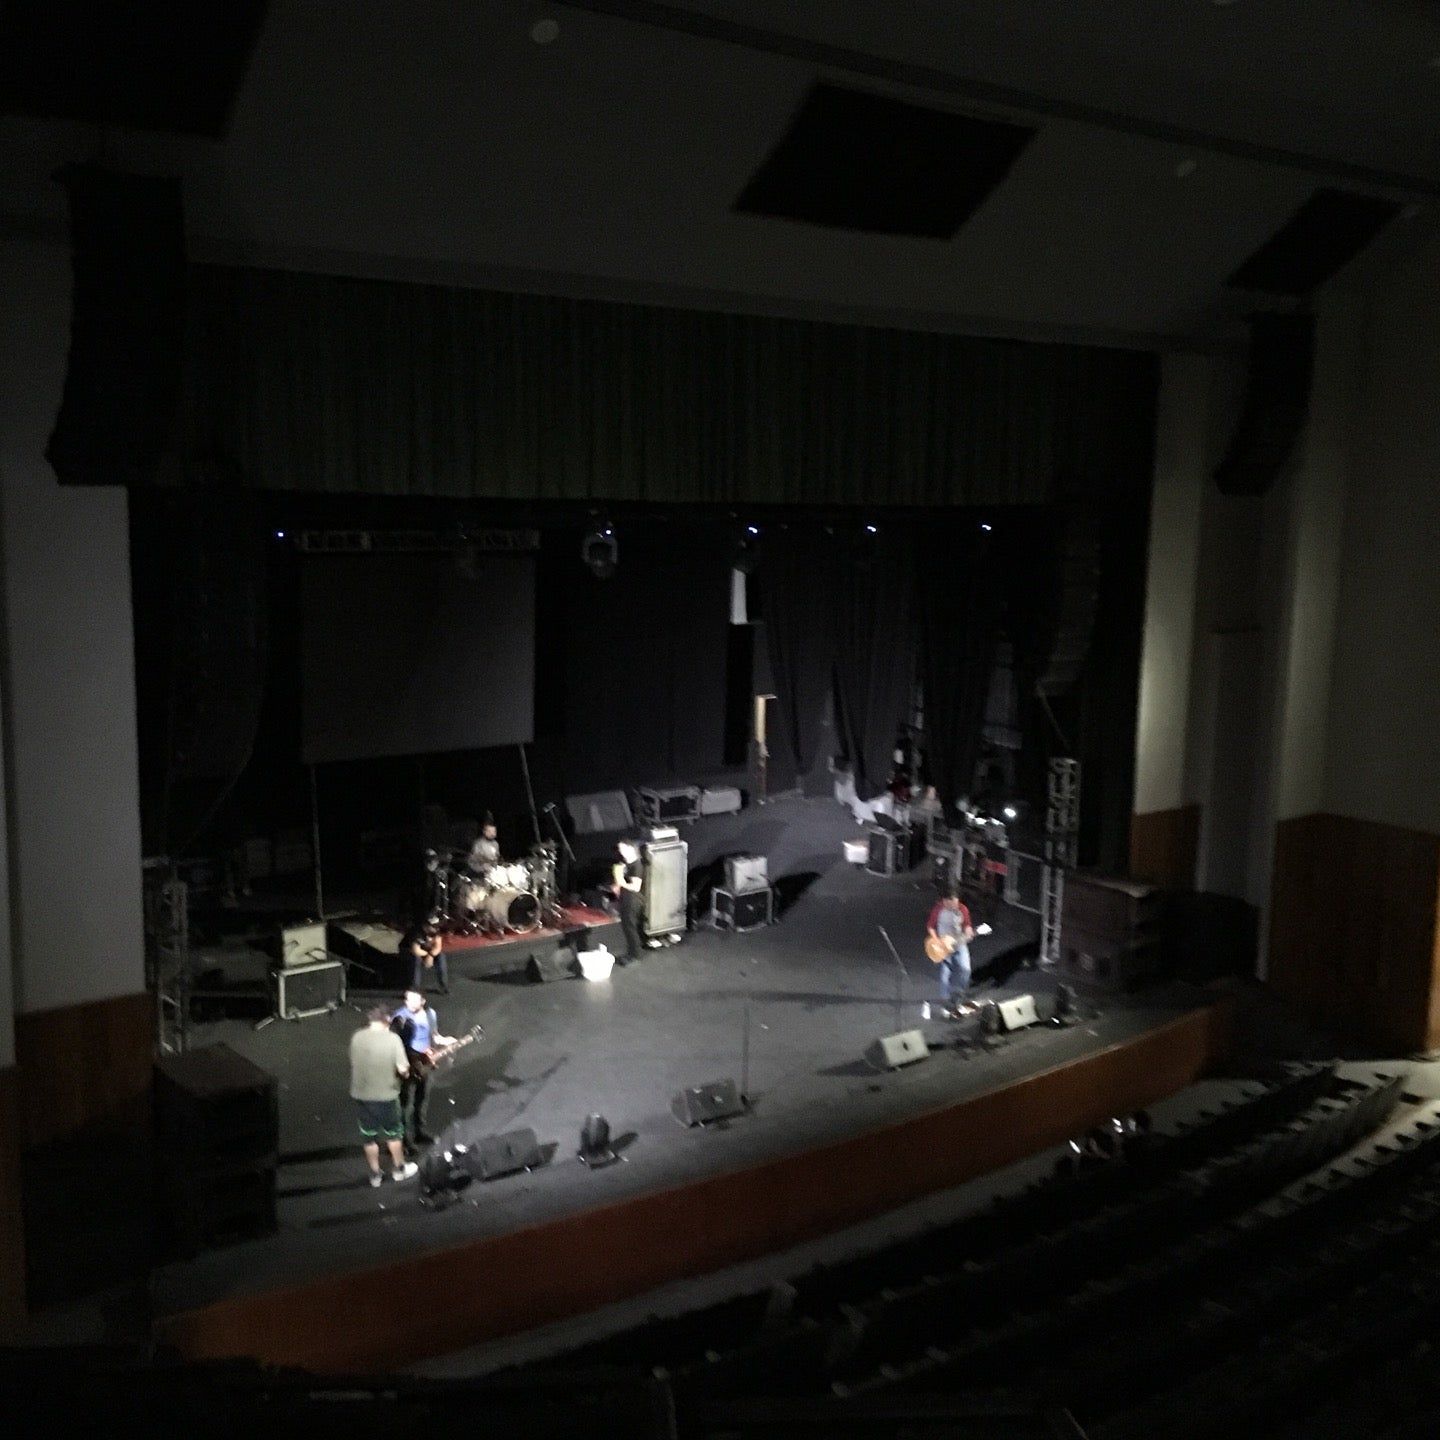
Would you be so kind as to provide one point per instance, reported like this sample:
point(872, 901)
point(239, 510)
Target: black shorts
point(380, 1119)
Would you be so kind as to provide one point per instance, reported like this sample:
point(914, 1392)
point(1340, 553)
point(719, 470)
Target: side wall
point(75, 974)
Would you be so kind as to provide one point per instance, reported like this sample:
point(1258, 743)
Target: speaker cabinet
point(506, 1154)
point(702, 1104)
point(557, 965)
point(596, 814)
point(891, 1052)
point(1016, 1014)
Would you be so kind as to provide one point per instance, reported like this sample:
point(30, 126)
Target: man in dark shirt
point(422, 952)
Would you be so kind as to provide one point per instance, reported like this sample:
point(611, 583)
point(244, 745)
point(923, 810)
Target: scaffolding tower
point(1062, 833)
point(169, 935)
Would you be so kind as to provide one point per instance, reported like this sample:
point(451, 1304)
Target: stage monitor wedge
point(704, 1104)
point(892, 1052)
point(1018, 1013)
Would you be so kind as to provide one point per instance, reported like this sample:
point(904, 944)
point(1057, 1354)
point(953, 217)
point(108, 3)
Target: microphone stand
point(562, 879)
point(900, 977)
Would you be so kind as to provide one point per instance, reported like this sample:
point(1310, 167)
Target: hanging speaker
point(1076, 604)
point(127, 327)
point(1277, 397)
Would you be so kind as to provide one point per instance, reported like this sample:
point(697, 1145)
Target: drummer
point(485, 852)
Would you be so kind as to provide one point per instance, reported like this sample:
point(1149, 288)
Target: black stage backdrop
point(321, 384)
point(633, 675)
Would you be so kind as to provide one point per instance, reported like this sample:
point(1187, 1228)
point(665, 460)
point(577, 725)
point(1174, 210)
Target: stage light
point(752, 529)
point(279, 534)
point(601, 553)
point(1067, 1004)
point(986, 526)
point(596, 1146)
point(870, 529)
point(1011, 812)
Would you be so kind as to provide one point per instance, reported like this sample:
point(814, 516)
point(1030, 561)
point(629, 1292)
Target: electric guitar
point(939, 948)
point(434, 1058)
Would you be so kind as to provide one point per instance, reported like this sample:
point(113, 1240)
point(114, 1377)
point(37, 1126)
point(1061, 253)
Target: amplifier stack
point(1110, 930)
point(217, 1138)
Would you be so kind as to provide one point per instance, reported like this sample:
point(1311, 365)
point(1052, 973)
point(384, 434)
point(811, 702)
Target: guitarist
point(949, 933)
point(418, 1027)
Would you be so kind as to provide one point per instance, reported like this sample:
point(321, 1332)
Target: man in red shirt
point(950, 921)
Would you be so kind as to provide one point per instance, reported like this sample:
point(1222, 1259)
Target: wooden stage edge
point(504, 1284)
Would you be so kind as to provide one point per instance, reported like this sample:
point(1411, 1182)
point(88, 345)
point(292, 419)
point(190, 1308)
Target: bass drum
point(513, 909)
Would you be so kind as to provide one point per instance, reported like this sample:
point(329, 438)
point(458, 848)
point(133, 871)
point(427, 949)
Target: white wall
point(1167, 650)
point(72, 784)
point(1383, 753)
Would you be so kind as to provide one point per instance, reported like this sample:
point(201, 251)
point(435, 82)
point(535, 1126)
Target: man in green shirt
point(377, 1066)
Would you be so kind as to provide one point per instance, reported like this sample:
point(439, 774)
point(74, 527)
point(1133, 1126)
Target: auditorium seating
point(1272, 1267)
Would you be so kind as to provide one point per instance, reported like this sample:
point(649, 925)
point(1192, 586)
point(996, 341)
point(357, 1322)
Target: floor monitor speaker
point(891, 1052)
point(506, 1154)
point(1016, 1014)
point(701, 1104)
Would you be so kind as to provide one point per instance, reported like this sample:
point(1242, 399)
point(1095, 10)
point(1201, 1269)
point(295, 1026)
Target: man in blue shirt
point(418, 1027)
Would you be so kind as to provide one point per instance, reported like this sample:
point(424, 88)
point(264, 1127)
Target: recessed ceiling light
point(542, 32)
point(1186, 168)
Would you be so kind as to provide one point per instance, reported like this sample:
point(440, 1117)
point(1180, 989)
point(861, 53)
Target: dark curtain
point(639, 658)
point(871, 593)
point(796, 580)
point(960, 593)
point(316, 383)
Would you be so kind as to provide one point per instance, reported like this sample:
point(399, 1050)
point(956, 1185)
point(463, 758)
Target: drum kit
point(504, 898)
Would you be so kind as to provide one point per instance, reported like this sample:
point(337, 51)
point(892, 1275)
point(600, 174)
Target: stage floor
point(813, 990)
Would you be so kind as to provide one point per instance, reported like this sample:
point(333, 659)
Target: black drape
point(795, 578)
point(871, 592)
point(961, 600)
point(310, 382)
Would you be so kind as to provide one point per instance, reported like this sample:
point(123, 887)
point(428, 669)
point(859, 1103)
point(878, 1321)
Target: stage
point(786, 1011)
point(372, 947)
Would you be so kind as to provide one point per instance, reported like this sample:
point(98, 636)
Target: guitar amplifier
point(303, 945)
point(304, 990)
point(746, 872)
point(665, 893)
point(743, 910)
point(680, 802)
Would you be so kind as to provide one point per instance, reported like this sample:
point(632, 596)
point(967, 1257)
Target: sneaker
point(375, 1178)
point(410, 1171)
point(653, 944)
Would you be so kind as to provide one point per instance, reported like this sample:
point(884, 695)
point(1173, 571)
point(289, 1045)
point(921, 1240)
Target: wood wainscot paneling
point(12, 1227)
point(1355, 928)
point(1165, 845)
point(85, 1067)
point(504, 1284)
